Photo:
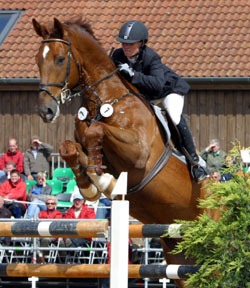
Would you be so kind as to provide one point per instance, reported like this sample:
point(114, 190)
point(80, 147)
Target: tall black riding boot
point(197, 172)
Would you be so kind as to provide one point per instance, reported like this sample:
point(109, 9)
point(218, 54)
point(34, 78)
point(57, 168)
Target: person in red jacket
point(50, 212)
point(13, 155)
point(79, 210)
point(14, 188)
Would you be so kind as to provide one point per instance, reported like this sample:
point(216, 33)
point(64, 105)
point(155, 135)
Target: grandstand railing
point(57, 162)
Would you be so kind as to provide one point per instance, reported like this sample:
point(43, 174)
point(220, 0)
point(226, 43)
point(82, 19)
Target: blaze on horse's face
point(52, 60)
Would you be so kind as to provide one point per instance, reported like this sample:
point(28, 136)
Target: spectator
point(213, 156)
point(79, 210)
point(37, 195)
point(8, 167)
point(13, 155)
point(218, 177)
point(4, 213)
point(215, 176)
point(36, 158)
point(15, 188)
point(50, 213)
point(103, 211)
point(229, 162)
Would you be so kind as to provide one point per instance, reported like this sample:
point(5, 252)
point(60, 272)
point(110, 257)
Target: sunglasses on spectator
point(50, 203)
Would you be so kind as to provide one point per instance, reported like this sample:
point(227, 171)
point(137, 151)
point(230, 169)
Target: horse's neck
point(96, 66)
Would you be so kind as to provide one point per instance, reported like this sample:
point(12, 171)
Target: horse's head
point(59, 69)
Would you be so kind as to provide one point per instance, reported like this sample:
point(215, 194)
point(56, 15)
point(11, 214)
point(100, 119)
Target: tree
point(221, 248)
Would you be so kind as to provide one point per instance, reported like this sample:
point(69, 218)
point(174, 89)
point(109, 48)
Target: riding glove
point(126, 70)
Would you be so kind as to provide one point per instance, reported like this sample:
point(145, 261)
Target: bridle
point(65, 93)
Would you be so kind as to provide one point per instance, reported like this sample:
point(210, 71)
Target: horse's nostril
point(49, 114)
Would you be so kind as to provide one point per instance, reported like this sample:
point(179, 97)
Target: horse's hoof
point(101, 182)
point(93, 199)
point(90, 198)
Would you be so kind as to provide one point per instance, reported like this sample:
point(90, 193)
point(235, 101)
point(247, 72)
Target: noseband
point(65, 93)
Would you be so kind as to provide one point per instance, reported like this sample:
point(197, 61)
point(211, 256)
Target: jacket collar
point(11, 154)
point(16, 183)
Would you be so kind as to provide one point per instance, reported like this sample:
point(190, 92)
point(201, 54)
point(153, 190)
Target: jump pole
point(119, 235)
point(52, 229)
point(96, 271)
point(84, 229)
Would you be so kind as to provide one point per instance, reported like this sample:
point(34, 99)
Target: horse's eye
point(60, 60)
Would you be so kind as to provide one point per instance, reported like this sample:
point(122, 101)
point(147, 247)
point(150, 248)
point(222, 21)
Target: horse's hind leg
point(72, 153)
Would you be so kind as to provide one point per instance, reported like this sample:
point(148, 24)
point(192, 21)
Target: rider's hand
point(126, 70)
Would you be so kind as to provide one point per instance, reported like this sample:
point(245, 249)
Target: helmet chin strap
point(132, 58)
point(139, 54)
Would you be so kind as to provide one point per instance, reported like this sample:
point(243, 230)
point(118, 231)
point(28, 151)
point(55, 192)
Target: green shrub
point(221, 248)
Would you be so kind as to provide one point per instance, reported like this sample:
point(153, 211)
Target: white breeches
point(174, 103)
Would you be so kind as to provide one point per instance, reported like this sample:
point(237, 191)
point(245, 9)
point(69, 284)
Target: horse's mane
point(80, 23)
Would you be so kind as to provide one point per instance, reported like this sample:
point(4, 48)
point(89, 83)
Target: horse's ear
point(40, 29)
point(58, 28)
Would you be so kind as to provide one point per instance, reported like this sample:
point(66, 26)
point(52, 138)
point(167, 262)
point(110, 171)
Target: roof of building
point(196, 38)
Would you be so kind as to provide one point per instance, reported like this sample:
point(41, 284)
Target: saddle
point(172, 133)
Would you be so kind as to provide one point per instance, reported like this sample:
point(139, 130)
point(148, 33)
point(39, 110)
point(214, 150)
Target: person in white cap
point(79, 210)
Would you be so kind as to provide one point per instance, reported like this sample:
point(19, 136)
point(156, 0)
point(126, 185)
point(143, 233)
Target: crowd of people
point(38, 202)
point(217, 161)
point(15, 168)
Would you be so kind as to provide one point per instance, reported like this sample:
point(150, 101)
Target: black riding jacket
point(152, 78)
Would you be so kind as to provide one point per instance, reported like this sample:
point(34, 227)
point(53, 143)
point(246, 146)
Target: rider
point(142, 66)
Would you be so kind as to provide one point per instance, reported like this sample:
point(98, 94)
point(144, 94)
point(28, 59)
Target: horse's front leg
point(104, 182)
point(122, 145)
point(72, 153)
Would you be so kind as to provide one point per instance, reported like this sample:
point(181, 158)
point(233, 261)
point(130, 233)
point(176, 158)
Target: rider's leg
point(174, 103)
point(198, 172)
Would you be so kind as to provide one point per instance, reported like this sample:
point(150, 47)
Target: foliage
point(221, 248)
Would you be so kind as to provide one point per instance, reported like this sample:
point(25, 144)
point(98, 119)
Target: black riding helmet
point(132, 32)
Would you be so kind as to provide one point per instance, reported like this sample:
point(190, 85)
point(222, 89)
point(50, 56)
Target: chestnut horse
point(130, 138)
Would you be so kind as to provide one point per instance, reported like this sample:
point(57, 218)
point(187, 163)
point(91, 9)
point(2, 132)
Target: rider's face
point(131, 49)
